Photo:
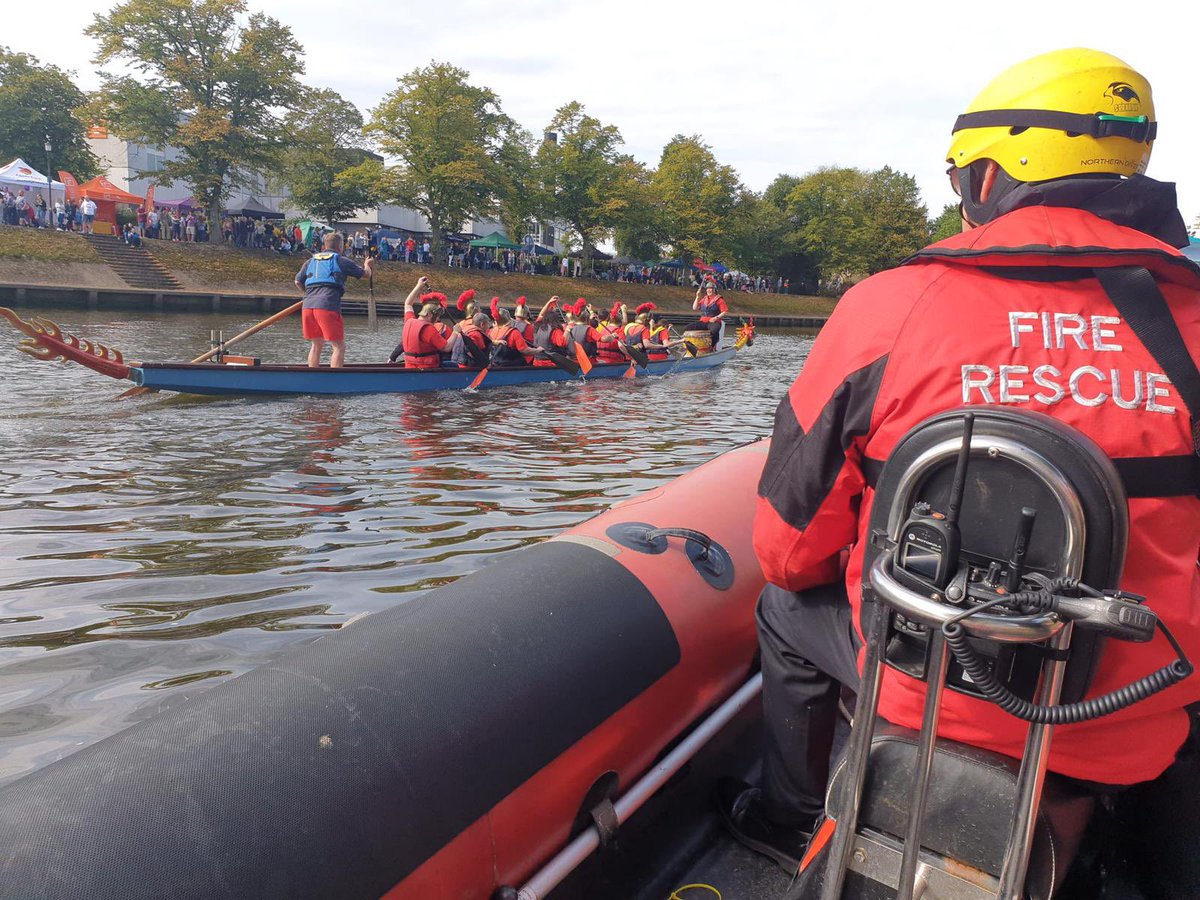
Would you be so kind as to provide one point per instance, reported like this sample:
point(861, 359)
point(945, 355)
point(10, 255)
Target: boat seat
point(974, 834)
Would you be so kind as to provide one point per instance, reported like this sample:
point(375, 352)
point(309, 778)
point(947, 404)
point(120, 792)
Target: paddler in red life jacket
point(579, 329)
point(549, 333)
point(612, 335)
point(509, 347)
point(421, 341)
point(521, 320)
point(712, 308)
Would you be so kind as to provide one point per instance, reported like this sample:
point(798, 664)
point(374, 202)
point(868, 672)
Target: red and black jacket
point(422, 342)
point(1007, 313)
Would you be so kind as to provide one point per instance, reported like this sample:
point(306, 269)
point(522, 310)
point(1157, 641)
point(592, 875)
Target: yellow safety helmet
point(1069, 112)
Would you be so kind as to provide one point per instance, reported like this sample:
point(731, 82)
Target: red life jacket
point(608, 351)
point(973, 319)
point(421, 343)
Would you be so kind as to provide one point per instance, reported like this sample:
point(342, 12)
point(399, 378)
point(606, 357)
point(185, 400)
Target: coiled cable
point(984, 679)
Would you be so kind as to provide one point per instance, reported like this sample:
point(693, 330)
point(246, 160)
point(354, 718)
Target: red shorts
point(321, 323)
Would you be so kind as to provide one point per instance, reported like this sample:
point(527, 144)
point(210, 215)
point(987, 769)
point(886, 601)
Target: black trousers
point(809, 650)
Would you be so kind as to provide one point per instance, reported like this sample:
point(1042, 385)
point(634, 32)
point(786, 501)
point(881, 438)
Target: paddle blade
point(565, 363)
point(133, 392)
point(478, 379)
point(638, 356)
point(581, 357)
point(631, 372)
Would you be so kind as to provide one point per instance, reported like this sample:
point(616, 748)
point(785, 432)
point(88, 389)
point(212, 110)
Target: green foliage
point(212, 82)
point(696, 194)
point(947, 224)
point(448, 136)
point(38, 102)
point(757, 234)
point(519, 199)
point(326, 134)
point(853, 223)
point(587, 182)
point(777, 191)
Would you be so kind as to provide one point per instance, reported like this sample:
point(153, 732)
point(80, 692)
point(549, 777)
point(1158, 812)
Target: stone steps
point(135, 265)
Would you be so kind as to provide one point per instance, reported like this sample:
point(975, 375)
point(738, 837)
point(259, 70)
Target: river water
point(151, 548)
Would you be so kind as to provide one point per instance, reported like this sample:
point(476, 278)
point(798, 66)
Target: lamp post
point(49, 190)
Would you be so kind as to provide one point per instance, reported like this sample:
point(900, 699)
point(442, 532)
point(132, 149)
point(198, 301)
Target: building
point(124, 160)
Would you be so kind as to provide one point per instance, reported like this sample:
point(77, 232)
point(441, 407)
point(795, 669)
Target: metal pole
point(549, 877)
point(858, 753)
point(935, 686)
point(49, 189)
point(1032, 777)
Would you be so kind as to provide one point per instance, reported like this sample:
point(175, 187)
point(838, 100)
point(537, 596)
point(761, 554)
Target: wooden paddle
point(204, 357)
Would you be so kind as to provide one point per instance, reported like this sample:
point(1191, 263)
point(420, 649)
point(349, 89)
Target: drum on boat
point(701, 339)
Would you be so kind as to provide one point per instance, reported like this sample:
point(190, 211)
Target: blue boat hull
point(207, 378)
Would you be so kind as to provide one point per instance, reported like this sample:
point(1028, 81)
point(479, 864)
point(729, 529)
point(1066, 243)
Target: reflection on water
point(153, 547)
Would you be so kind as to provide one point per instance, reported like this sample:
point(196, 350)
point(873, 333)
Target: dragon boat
point(229, 375)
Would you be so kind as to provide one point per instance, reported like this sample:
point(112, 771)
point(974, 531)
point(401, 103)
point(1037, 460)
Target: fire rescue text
point(1049, 384)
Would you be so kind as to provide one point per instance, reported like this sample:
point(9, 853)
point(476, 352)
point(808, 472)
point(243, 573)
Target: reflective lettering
point(1077, 395)
point(1016, 328)
point(1137, 390)
point(1042, 377)
point(1154, 391)
point(1100, 334)
point(977, 378)
point(1069, 325)
point(1012, 379)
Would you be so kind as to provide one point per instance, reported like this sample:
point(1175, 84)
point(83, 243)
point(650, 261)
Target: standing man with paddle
point(323, 278)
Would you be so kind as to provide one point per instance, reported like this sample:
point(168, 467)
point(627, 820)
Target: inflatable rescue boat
point(476, 742)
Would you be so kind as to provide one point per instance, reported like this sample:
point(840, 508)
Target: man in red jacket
point(1047, 161)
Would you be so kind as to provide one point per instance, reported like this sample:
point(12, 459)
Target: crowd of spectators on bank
point(21, 207)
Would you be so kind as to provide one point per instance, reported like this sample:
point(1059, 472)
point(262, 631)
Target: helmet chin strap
point(975, 212)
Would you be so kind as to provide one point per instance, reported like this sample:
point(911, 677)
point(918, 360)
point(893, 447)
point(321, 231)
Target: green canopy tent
point(496, 241)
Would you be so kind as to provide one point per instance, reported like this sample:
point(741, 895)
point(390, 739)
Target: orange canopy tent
point(106, 196)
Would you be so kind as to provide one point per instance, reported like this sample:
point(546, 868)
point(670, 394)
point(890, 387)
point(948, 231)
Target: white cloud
point(774, 87)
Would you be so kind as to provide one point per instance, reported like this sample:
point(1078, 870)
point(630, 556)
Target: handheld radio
point(930, 541)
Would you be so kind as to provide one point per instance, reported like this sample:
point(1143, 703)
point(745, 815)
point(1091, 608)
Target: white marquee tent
point(19, 174)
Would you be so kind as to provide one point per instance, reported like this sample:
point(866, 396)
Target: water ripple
point(155, 547)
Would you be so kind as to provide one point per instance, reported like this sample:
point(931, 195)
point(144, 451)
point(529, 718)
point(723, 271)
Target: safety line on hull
point(553, 873)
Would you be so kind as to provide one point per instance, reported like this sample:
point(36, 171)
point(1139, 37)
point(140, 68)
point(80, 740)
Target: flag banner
point(71, 185)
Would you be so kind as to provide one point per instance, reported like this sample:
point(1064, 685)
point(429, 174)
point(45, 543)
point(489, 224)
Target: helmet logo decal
point(1123, 97)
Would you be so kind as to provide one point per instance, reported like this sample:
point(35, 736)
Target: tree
point(696, 194)
point(588, 183)
point(38, 103)
point(518, 192)
point(852, 223)
point(327, 135)
point(210, 86)
point(947, 224)
point(448, 136)
point(755, 233)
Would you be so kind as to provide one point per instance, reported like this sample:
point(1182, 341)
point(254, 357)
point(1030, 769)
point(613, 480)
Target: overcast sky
point(772, 86)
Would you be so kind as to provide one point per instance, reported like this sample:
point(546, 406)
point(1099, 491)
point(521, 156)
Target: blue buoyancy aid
point(323, 268)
